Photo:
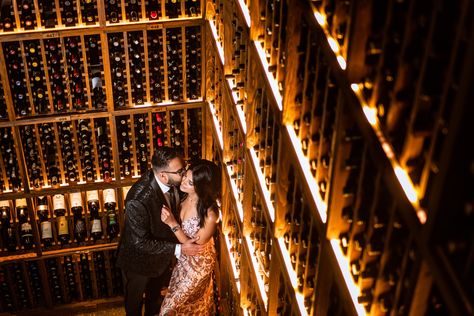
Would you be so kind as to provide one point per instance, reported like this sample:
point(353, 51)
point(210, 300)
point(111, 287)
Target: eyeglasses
point(178, 172)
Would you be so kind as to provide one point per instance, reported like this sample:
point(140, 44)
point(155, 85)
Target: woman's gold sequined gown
point(190, 288)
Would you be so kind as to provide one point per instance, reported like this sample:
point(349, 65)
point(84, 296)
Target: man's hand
point(189, 248)
point(167, 217)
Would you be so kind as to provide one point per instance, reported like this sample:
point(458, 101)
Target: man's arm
point(138, 222)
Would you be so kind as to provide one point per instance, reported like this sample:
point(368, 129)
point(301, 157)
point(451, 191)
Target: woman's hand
point(167, 217)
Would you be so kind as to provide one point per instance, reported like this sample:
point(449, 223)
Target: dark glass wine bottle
point(42, 211)
point(95, 219)
point(110, 204)
point(7, 231)
point(80, 232)
point(25, 229)
point(59, 208)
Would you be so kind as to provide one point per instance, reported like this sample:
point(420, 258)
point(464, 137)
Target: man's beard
point(173, 183)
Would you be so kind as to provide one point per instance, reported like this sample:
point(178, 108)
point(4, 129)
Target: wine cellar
point(342, 129)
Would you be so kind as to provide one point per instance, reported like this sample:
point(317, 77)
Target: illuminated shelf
point(245, 12)
point(344, 266)
point(217, 128)
point(220, 49)
point(401, 174)
point(235, 193)
point(256, 269)
point(321, 19)
point(270, 79)
point(310, 181)
point(291, 273)
point(263, 187)
point(236, 275)
point(235, 98)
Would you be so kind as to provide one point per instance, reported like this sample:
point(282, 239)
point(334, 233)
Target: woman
point(190, 288)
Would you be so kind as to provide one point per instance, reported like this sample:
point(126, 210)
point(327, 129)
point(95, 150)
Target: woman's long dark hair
point(207, 184)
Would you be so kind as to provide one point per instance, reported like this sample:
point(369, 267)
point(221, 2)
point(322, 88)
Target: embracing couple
point(163, 223)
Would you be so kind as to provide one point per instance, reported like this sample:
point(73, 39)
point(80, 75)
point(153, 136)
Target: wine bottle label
point(46, 231)
point(112, 219)
point(62, 222)
point(76, 199)
point(109, 196)
point(26, 229)
point(21, 203)
point(4, 203)
point(58, 202)
point(92, 195)
point(96, 226)
point(80, 226)
point(42, 207)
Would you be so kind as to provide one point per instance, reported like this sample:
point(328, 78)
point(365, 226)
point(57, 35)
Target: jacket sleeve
point(138, 222)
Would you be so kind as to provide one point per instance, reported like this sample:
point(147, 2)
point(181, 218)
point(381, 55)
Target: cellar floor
point(106, 307)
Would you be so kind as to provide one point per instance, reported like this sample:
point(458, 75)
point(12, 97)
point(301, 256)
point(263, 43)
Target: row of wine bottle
point(69, 13)
point(59, 280)
point(58, 228)
point(60, 64)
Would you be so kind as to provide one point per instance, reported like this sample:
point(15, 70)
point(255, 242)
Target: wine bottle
point(59, 208)
point(80, 233)
point(110, 205)
point(6, 17)
point(95, 219)
point(7, 231)
point(42, 211)
point(25, 229)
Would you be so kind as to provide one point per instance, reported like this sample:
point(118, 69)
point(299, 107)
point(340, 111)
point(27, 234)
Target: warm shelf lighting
point(245, 12)
point(220, 49)
point(320, 18)
point(354, 290)
point(333, 44)
point(406, 183)
point(261, 180)
point(292, 274)
point(236, 98)
point(270, 78)
point(256, 268)
point(236, 195)
point(401, 174)
point(313, 186)
point(342, 62)
point(370, 114)
point(232, 263)
point(216, 125)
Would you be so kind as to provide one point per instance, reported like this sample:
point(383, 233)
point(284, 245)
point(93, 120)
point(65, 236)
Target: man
point(147, 245)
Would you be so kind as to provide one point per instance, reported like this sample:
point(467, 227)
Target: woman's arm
point(210, 224)
point(203, 235)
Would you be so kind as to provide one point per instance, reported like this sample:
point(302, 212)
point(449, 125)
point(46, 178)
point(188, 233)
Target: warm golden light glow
point(333, 44)
point(313, 186)
point(232, 263)
point(235, 192)
point(355, 87)
point(270, 78)
point(245, 12)
point(220, 49)
point(292, 274)
point(342, 62)
point(343, 263)
point(256, 269)
point(236, 98)
point(370, 114)
point(320, 18)
point(406, 183)
point(261, 181)
point(216, 125)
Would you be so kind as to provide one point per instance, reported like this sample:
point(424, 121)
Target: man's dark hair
point(162, 157)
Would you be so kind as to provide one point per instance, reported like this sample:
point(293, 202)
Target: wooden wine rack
point(88, 90)
point(341, 117)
